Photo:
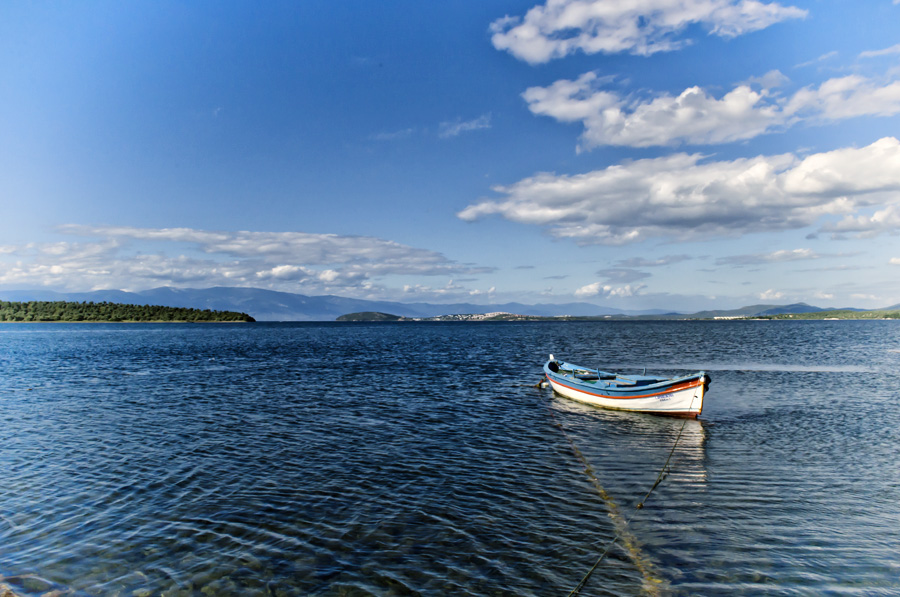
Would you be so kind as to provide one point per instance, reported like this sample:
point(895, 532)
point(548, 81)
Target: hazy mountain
point(270, 305)
point(764, 310)
point(757, 311)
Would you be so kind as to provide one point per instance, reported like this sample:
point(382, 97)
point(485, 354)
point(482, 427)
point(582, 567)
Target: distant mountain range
point(765, 310)
point(270, 305)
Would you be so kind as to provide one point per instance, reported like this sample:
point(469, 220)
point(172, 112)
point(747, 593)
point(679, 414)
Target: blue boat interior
point(595, 375)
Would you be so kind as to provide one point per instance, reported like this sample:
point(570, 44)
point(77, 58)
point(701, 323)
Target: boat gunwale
point(665, 384)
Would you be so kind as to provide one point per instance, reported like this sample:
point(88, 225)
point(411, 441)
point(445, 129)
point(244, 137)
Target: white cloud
point(681, 197)
point(895, 261)
point(562, 27)
point(770, 295)
point(865, 226)
point(455, 128)
point(846, 97)
point(696, 117)
point(294, 261)
point(608, 291)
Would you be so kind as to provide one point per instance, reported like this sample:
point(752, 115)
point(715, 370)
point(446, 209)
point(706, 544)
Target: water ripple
point(419, 459)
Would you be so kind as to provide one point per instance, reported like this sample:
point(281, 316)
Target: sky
point(636, 154)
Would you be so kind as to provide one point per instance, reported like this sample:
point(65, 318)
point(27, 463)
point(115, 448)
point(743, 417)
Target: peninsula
point(62, 311)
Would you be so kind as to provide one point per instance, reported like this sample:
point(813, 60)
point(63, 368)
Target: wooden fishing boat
point(678, 396)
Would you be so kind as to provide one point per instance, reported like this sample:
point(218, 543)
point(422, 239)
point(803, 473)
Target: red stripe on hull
point(678, 388)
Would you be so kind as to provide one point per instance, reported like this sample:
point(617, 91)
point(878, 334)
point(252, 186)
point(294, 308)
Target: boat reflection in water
point(629, 443)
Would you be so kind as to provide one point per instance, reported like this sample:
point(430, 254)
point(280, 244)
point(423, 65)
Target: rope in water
point(621, 524)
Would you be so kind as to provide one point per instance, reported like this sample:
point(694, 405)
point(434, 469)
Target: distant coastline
point(269, 305)
point(830, 315)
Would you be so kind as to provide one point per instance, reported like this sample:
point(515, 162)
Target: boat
point(676, 396)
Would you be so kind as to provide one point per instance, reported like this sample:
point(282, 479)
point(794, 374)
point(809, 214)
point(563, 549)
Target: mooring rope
point(619, 522)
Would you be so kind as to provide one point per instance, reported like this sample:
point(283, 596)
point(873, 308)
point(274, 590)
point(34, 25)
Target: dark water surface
point(395, 459)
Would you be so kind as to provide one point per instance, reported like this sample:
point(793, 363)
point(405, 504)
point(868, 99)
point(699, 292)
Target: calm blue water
point(402, 459)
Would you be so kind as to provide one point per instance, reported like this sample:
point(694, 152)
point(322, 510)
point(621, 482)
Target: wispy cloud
point(823, 58)
point(697, 117)
point(895, 49)
point(682, 197)
point(768, 258)
point(394, 135)
point(561, 27)
point(457, 127)
point(662, 261)
point(294, 261)
point(622, 275)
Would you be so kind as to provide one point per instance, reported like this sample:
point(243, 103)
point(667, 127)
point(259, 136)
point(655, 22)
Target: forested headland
point(111, 312)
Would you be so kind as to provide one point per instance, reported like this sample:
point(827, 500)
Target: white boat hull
point(683, 402)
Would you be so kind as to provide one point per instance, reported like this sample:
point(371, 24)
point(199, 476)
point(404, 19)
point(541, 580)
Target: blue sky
point(680, 154)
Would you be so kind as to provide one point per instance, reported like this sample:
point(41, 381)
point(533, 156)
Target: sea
point(425, 459)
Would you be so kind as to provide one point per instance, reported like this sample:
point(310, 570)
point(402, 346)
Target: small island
point(62, 311)
point(369, 316)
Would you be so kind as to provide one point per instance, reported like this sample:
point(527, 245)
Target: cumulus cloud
point(867, 226)
point(295, 261)
point(684, 197)
point(561, 27)
point(771, 295)
point(697, 117)
point(598, 289)
point(457, 127)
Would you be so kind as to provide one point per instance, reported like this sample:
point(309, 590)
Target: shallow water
point(392, 459)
